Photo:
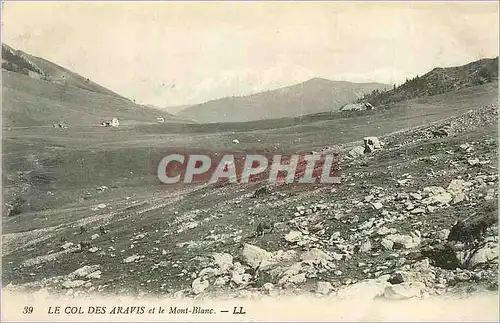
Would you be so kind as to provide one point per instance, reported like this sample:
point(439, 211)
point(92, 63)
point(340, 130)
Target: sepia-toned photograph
point(227, 161)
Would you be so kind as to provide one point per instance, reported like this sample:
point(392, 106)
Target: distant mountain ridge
point(439, 80)
point(313, 96)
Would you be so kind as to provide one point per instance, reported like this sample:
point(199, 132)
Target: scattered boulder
point(256, 257)
point(365, 246)
point(387, 244)
point(199, 285)
point(484, 255)
point(324, 288)
point(436, 195)
point(316, 256)
point(293, 236)
point(407, 241)
point(84, 271)
point(73, 283)
point(223, 260)
point(361, 106)
point(404, 290)
point(67, 245)
point(356, 152)
point(94, 275)
point(131, 258)
point(371, 144)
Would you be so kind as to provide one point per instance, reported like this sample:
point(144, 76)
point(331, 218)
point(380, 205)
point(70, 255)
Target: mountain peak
point(312, 96)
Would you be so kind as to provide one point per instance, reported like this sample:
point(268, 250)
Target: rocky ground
point(388, 230)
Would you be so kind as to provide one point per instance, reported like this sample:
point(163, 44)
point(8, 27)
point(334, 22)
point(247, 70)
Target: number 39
point(28, 310)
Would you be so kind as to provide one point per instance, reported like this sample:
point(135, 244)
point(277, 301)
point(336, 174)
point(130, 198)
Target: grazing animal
point(260, 192)
point(102, 230)
point(84, 245)
point(263, 228)
point(443, 131)
point(83, 230)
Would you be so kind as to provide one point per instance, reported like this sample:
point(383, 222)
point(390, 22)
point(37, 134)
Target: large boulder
point(223, 260)
point(362, 106)
point(316, 256)
point(199, 285)
point(84, 271)
point(486, 254)
point(257, 257)
point(436, 195)
point(406, 241)
point(356, 152)
point(371, 144)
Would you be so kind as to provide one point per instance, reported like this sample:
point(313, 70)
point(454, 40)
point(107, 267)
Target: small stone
point(297, 279)
point(223, 260)
point(131, 258)
point(67, 245)
point(324, 288)
point(417, 211)
point(473, 161)
point(416, 196)
point(73, 283)
point(293, 236)
point(94, 275)
point(385, 231)
point(221, 281)
point(443, 234)
point(387, 244)
point(268, 287)
point(199, 286)
point(366, 246)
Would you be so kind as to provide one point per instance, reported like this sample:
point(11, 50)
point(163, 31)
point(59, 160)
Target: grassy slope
point(29, 102)
point(53, 94)
point(225, 217)
point(74, 161)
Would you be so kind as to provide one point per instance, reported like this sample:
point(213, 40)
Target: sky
point(181, 53)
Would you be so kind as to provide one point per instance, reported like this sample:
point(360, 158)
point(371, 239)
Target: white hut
point(111, 123)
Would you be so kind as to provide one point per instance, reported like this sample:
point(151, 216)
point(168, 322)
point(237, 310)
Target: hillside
point(313, 96)
point(84, 214)
point(438, 81)
point(37, 92)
